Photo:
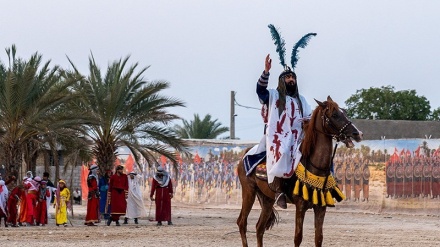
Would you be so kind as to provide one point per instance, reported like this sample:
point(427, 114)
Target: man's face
point(131, 176)
point(119, 171)
point(289, 79)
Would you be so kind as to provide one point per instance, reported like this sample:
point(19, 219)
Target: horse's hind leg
point(248, 195)
point(266, 213)
point(319, 222)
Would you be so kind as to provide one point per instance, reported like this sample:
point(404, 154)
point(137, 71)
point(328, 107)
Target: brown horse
point(327, 122)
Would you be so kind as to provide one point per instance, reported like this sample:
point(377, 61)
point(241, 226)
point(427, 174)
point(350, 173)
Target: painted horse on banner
point(312, 185)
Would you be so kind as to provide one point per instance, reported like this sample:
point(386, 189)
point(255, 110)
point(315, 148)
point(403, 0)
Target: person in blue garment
point(104, 208)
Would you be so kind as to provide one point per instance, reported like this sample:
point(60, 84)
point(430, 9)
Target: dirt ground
point(215, 226)
point(210, 220)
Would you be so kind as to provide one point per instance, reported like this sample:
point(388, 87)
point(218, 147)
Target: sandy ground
point(215, 226)
point(211, 221)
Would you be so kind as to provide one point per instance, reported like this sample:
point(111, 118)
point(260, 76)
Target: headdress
point(37, 178)
point(163, 180)
point(133, 173)
point(93, 167)
point(160, 170)
point(281, 50)
point(62, 182)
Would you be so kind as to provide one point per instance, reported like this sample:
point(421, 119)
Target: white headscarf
point(164, 180)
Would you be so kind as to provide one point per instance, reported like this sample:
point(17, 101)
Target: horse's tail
point(274, 218)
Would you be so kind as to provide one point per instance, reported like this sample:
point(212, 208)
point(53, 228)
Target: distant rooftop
point(398, 129)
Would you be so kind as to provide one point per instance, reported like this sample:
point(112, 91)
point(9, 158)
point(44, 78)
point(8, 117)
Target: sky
point(206, 49)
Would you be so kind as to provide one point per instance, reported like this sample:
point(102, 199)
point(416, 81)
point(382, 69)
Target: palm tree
point(200, 129)
point(129, 111)
point(32, 95)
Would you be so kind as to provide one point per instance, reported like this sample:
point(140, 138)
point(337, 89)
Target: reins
point(338, 137)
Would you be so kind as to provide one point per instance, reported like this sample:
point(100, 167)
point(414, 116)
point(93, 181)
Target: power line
point(247, 107)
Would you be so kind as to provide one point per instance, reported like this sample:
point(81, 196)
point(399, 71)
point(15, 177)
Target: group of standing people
point(27, 203)
point(114, 195)
point(109, 197)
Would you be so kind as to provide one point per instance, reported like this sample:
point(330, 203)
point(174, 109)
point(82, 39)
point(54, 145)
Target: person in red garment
point(117, 195)
point(92, 215)
point(13, 201)
point(41, 208)
point(33, 187)
point(163, 189)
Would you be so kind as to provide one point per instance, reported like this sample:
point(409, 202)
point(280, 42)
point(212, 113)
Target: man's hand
point(267, 64)
point(152, 199)
point(171, 195)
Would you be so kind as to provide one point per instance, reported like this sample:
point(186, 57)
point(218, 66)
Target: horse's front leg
point(319, 222)
point(301, 209)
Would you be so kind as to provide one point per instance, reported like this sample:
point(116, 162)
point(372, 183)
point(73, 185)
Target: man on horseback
point(283, 112)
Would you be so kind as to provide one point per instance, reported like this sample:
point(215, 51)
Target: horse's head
point(335, 123)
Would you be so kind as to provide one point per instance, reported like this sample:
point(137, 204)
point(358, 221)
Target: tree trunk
point(13, 159)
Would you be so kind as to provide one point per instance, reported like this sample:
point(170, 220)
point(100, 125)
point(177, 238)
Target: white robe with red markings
point(283, 136)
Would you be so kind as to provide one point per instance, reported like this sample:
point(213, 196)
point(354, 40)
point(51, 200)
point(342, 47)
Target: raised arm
point(263, 94)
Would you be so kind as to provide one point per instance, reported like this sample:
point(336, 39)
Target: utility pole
point(232, 128)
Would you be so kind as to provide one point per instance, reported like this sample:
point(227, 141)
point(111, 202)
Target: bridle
point(340, 136)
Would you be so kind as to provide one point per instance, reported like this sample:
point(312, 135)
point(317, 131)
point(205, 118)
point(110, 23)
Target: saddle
point(261, 171)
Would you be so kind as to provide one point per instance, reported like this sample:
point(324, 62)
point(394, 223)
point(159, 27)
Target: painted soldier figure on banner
point(436, 179)
point(400, 174)
point(348, 180)
point(357, 181)
point(417, 179)
point(408, 180)
point(365, 181)
point(427, 177)
point(390, 178)
point(340, 175)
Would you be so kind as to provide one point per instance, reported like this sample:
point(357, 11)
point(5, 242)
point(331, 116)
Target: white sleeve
point(307, 110)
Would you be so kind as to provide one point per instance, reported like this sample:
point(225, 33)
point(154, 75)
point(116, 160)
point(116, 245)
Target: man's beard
point(291, 89)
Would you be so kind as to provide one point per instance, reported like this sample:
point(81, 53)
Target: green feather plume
point(302, 43)
point(279, 42)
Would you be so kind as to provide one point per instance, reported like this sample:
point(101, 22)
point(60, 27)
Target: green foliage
point(33, 100)
point(435, 114)
point(200, 129)
point(128, 111)
point(388, 104)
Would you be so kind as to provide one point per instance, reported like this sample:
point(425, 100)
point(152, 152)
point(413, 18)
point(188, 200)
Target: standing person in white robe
point(135, 202)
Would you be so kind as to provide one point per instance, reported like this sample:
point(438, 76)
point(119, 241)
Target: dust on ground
point(210, 220)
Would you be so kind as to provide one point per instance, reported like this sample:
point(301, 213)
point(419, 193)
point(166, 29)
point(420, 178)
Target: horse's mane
point(309, 127)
